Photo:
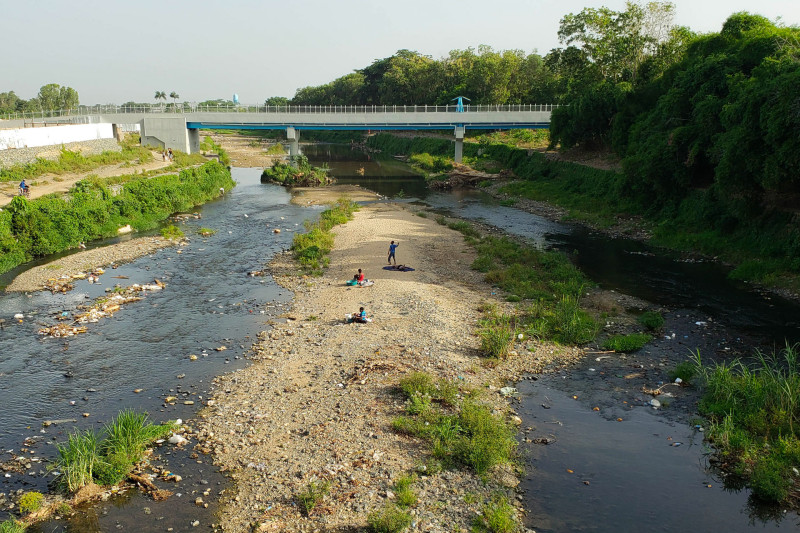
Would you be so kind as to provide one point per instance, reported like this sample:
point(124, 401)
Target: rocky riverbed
point(37, 278)
point(318, 401)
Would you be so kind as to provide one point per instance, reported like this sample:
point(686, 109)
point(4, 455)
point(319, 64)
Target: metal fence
point(305, 109)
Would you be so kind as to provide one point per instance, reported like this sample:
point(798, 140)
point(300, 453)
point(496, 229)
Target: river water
point(209, 301)
point(652, 471)
point(637, 478)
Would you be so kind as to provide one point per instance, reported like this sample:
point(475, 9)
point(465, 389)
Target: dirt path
point(319, 399)
point(50, 183)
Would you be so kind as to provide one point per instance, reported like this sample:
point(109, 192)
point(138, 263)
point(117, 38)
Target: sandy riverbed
point(319, 398)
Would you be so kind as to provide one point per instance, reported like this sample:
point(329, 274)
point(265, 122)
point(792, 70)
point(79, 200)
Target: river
point(636, 477)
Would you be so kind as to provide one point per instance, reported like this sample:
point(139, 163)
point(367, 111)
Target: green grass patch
point(652, 320)
point(685, 370)
point(406, 497)
point(206, 232)
point(12, 526)
point(108, 456)
point(497, 516)
point(627, 343)
point(276, 149)
point(73, 161)
point(311, 249)
point(312, 495)
point(390, 519)
point(31, 501)
point(466, 433)
point(172, 232)
point(754, 410)
point(497, 335)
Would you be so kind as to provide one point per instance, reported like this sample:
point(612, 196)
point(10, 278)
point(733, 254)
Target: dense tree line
point(707, 126)
point(483, 75)
point(50, 97)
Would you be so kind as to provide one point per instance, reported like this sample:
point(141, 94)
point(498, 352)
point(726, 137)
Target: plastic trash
point(678, 381)
point(655, 403)
point(508, 391)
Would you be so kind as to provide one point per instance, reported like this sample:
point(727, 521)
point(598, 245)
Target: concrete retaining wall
point(55, 135)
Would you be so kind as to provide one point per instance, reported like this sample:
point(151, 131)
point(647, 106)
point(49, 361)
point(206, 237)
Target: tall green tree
point(10, 102)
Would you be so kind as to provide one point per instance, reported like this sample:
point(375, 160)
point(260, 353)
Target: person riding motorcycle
point(24, 190)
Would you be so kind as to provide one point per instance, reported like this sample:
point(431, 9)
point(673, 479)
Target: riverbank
point(36, 278)
point(319, 399)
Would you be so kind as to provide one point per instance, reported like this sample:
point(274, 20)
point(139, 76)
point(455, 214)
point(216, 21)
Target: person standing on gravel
point(392, 248)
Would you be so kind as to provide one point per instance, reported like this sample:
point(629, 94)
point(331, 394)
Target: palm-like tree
point(174, 97)
point(160, 95)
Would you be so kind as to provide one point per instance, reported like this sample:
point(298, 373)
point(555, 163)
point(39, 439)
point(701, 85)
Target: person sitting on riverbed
point(360, 279)
point(361, 316)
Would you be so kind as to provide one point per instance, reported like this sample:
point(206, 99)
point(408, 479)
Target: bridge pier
point(169, 132)
point(293, 135)
point(459, 134)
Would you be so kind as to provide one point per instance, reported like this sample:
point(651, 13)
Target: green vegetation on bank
point(766, 251)
point(92, 209)
point(70, 161)
point(549, 286)
point(298, 173)
point(755, 420)
point(108, 456)
point(460, 430)
point(12, 526)
point(312, 248)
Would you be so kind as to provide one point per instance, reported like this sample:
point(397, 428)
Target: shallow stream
point(636, 478)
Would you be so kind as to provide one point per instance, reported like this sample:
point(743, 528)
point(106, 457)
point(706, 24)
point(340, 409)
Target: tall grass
point(77, 459)
point(755, 415)
point(105, 457)
point(312, 248)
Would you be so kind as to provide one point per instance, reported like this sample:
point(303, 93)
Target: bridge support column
point(166, 132)
point(459, 133)
point(293, 135)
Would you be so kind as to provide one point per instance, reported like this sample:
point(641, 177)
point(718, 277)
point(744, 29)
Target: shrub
point(31, 501)
point(299, 174)
point(172, 232)
point(685, 370)
point(314, 492)
point(652, 320)
point(391, 519)
point(31, 228)
point(627, 343)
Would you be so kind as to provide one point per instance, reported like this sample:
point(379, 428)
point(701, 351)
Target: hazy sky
point(112, 51)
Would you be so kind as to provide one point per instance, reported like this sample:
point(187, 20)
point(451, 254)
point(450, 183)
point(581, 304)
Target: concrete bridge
point(178, 127)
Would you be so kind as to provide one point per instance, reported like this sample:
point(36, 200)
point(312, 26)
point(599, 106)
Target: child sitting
point(360, 317)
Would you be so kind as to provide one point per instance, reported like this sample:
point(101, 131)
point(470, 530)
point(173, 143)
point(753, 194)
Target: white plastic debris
point(678, 381)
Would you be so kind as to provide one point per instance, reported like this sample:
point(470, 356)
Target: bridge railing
point(237, 108)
